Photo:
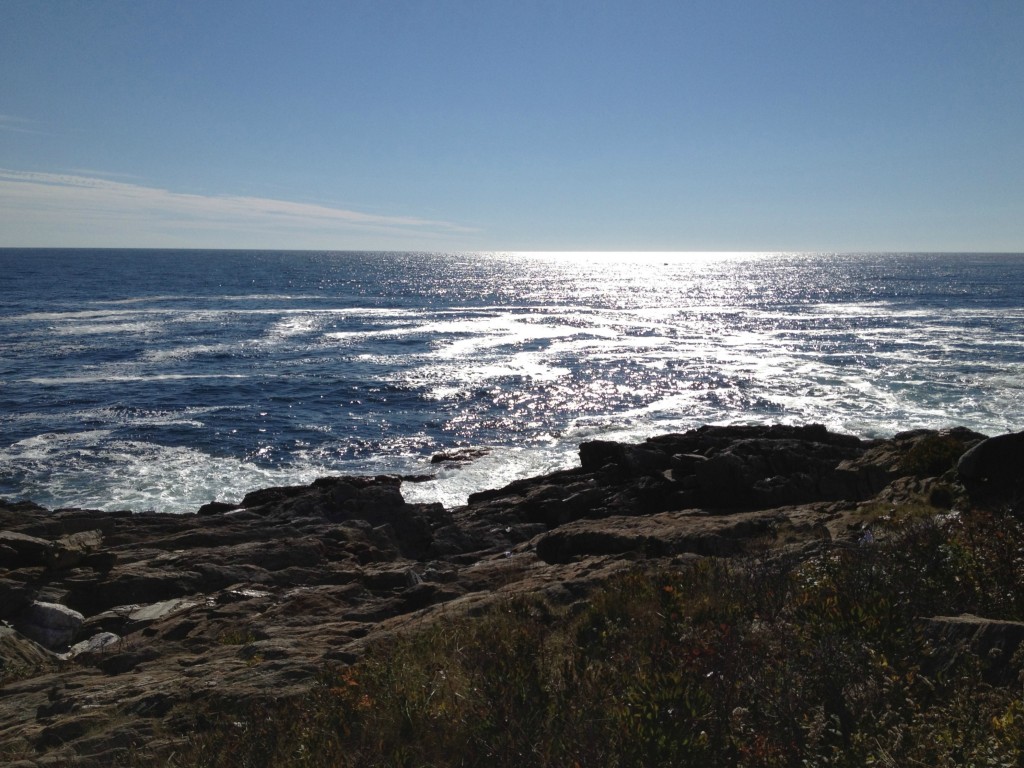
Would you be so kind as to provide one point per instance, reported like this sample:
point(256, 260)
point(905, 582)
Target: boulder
point(52, 625)
point(74, 549)
point(993, 470)
point(766, 472)
point(19, 550)
point(624, 459)
point(97, 644)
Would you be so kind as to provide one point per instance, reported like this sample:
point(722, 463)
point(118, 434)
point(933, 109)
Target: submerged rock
point(459, 455)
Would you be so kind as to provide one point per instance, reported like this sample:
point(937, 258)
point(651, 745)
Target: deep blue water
point(164, 379)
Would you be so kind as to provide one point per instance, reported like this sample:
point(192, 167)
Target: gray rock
point(95, 644)
point(52, 625)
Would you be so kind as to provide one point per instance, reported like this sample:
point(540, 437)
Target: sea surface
point(165, 379)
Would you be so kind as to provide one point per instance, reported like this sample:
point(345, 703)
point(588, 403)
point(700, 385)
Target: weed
point(236, 636)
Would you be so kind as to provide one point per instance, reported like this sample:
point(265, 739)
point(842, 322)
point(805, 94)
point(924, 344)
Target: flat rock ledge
point(115, 627)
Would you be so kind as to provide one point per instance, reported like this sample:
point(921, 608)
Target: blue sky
point(718, 125)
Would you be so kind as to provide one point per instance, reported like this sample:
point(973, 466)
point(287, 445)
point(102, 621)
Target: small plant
point(236, 636)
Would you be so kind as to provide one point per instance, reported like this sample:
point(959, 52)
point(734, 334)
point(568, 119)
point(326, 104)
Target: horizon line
point(531, 251)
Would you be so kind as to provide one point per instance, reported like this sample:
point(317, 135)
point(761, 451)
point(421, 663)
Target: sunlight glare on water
point(160, 389)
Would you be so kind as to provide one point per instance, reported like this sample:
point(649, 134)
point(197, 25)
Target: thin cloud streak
point(13, 124)
point(89, 205)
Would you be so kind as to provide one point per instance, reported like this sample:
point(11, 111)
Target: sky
point(690, 125)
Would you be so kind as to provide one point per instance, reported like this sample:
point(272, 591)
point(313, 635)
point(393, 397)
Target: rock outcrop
point(114, 622)
point(994, 468)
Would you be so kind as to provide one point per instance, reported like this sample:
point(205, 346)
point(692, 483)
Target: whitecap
point(105, 378)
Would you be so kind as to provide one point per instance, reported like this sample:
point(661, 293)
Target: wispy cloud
point(98, 174)
point(13, 124)
point(37, 203)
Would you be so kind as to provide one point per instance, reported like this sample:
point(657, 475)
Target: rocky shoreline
point(117, 627)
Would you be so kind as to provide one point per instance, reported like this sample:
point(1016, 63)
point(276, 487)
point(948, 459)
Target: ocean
point(165, 379)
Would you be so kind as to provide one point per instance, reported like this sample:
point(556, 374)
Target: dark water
point(163, 379)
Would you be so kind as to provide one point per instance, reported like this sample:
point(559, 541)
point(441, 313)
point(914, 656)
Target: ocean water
point(165, 379)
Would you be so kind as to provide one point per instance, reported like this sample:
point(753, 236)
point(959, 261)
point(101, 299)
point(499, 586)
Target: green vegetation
point(784, 660)
point(237, 636)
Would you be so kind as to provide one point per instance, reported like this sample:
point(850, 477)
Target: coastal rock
point(14, 598)
point(660, 535)
point(720, 468)
point(241, 602)
point(20, 550)
point(377, 501)
point(96, 644)
point(51, 625)
point(994, 468)
point(459, 455)
point(21, 656)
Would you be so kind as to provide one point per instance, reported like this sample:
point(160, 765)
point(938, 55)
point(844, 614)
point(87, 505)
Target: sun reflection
point(636, 257)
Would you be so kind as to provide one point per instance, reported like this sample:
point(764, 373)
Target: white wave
point(96, 329)
point(453, 485)
point(117, 416)
point(48, 442)
point(85, 470)
point(188, 352)
point(297, 324)
point(346, 337)
point(450, 382)
point(139, 300)
point(101, 378)
point(83, 314)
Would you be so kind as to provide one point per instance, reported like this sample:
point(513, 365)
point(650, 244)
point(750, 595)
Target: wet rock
point(216, 508)
point(459, 455)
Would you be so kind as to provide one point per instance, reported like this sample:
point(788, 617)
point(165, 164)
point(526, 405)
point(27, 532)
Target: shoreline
point(117, 624)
